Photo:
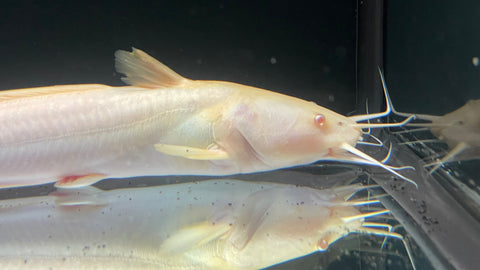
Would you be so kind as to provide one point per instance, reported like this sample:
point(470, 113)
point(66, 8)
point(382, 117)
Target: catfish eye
point(322, 244)
point(319, 120)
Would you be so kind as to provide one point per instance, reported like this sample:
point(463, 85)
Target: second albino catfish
point(226, 224)
point(164, 124)
point(459, 129)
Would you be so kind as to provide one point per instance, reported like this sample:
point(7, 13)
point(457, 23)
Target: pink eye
point(319, 120)
point(322, 244)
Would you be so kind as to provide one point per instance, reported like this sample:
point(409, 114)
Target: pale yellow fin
point(84, 196)
point(143, 70)
point(455, 151)
point(192, 152)
point(48, 90)
point(193, 236)
point(253, 216)
point(76, 181)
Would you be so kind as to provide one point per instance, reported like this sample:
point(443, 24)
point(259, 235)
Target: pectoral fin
point(76, 181)
point(193, 236)
point(192, 152)
point(81, 197)
point(252, 218)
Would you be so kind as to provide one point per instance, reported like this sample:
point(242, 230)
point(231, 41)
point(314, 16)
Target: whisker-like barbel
point(373, 161)
point(382, 125)
point(164, 124)
point(214, 224)
point(388, 110)
point(459, 129)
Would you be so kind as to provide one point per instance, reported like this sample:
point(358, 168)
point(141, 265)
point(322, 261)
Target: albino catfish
point(165, 124)
point(215, 224)
point(459, 129)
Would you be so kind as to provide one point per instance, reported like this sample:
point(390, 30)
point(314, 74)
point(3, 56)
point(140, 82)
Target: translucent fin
point(143, 70)
point(192, 152)
point(248, 223)
point(76, 181)
point(455, 151)
point(85, 196)
point(193, 236)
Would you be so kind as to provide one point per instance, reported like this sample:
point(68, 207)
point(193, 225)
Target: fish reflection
point(214, 224)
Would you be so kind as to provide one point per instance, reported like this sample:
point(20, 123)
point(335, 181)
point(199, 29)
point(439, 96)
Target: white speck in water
point(273, 60)
point(199, 61)
point(326, 69)
point(331, 98)
point(475, 61)
point(471, 182)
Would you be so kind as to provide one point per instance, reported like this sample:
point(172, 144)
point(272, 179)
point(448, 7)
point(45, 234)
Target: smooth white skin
point(459, 129)
point(112, 131)
point(461, 125)
point(261, 224)
point(276, 131)
point(103, 130)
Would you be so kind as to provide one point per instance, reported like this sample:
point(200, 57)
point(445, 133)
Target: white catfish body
point(216, 224)
point(163, 124)
point(459, 129)
point(104, 130)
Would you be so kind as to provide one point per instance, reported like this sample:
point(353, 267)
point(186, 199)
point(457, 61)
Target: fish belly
point(110, 131)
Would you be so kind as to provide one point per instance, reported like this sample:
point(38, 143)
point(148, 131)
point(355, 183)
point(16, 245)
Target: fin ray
point(145, 71)
point(192, 152)
point(76, 181)
point(193, 236)
point(84, 196)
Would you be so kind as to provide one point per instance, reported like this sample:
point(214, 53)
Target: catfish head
point(282, 131)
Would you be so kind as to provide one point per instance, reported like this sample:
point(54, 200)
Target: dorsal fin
point(48, 90)
point(145, 71)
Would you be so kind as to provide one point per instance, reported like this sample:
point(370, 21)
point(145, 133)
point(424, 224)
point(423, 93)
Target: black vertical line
point(369, 55)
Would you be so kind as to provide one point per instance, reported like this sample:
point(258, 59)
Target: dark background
point(306, 50)
point(430, 46)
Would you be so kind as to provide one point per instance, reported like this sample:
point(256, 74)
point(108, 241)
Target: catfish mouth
point(340, 154)
point(348, 153)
